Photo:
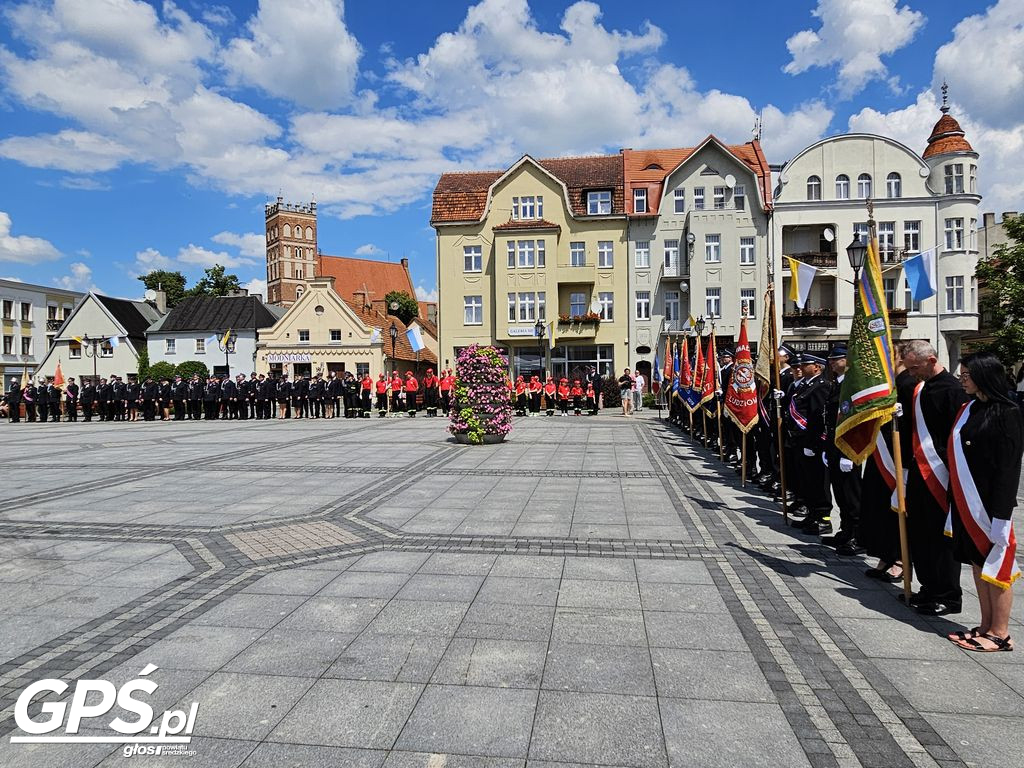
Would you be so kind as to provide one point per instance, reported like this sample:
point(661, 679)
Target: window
point(671, 306)
point(26, 346)
point(298, 273)
point(309, 233)
point(748, 302)
point(473, 258)
point(864, 186)
point(908, 300)
point(51, 339)
point(719, 198)
point(473, 310)
point(712, 249)
point(814, 188)
point(861, 231)
point(698, 198)
point(739, 198)
point(713, 302)
point(912, 236)
point(577, 304)
point(512, 308)
point(577, 255)
point(954, 178)
point(528, 207)
point(26, 312)
point(599, 202)
point(527, 307)
point(955, 293)
point(605, 254)
point(8, 309)
point(671, 258)
point(75, 350)
point(8, 345)
point(639, 201)
point(842, 187)
point(287, 230)
point(511, 254)
point(200, 346)
point(335, 335)
point(954, 234)
point(525, 250)
point(542, 305)
point(893, 185)
point(170, 346)
point(973, 188)
point(887, 240)
point(606, 300)
point(889, 288)
point(526, 253)
point(362, 369)
point(298, 293)
point(643, 305)
point(642, 253)
point(679, 200)
point(51, 312)
point(541, 253)
point(303, 336)
point(746, 251)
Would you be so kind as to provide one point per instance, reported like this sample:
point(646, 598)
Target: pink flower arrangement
point(482, 405)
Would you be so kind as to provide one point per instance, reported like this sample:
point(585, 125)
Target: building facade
point(921, 202)
point(698, 241)
point(31, 316)
point(532, 259)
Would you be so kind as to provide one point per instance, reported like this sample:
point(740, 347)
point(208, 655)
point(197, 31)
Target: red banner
point(741, 396)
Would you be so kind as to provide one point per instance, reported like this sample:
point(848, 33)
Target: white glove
point(899, 409)
point(824, 458)
point(845, 465)
point(808, 452)
point(1001, 531)
point(778, 394)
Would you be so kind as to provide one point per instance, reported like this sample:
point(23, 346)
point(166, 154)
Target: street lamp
point(93, 351)
point(226, 343)
point(538, 329)
point(393, 330)
point(698, 326)
point(857, 252)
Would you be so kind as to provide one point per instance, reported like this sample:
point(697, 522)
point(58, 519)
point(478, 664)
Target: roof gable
point(354, 276)
point(303, 314)
point(216, 313)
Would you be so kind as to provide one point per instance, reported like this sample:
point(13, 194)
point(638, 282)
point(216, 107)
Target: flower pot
point(462, 437)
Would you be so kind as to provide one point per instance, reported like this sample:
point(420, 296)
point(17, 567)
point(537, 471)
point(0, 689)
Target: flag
point(920, 273)
point(657, 369)
point(709, 380)
point(415, 338)
point(685, 374)
point(114, 341)
point(800, 278)
point(741, 397)
point(674, 362)
point(226, 338)
point(669, 368)
point(765, 353)
point(24, 378)
point(375, 336)
point(867, 395)
point(694, 389)
point(58, 376)
point(78, 339)
point(211, 340)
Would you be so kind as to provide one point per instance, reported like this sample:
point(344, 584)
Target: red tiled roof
point(403, 350)
point(463, 196)
point(647, 168)
point(526, 224)
point(947, 136)
point(353, 276)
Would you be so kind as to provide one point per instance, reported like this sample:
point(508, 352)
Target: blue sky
point(138, 135)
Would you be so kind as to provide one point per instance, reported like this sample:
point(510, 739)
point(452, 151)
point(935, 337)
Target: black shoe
point(937, 608)
point(816, 527)
point(916, 599)
point(850, 549)
point(838, 540)
point(799, 511)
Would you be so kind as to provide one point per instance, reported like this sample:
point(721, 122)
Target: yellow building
point(533, 260)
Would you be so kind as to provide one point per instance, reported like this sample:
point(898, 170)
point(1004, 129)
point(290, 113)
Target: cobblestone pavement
point(595, 591)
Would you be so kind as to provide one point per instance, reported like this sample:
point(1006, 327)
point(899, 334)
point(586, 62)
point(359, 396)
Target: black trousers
point(879, 528)
point(43, 410)
point(446, 400)
point(149, 410)
point(72, 410)
point(365, 401)
point(931, 551)
point(814, 486)
point(846, 488)
point(179, 410)
point(382, 401)
point(535, 402)
point(210, 408)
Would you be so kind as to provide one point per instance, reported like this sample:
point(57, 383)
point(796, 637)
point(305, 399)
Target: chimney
point(1009, 215)
point(988, 220)
point(160, 302)
point(405, 262)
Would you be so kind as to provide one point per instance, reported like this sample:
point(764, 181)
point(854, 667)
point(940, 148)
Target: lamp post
point(857, 253)
point(698, 326)
point(226, 343)
point(538, 330)
point(393, 331)
point(92, 351)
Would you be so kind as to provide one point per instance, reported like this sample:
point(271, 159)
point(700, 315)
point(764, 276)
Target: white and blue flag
point(415, 338)
point(920, 273)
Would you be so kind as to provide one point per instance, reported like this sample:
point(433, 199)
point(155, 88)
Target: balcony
point(898, 318)
point(577, 326)
point(811, 318)
point(819, 259)
point(54, 325)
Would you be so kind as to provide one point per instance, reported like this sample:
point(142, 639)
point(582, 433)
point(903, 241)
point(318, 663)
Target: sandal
point(1001, 644)
point(969, 634)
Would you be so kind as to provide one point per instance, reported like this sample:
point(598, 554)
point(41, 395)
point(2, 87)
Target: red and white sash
point(934, 472)
point(887, 469)
point(1000, 566)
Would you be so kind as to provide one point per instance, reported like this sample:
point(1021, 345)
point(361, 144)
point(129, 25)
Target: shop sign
point(289, 357)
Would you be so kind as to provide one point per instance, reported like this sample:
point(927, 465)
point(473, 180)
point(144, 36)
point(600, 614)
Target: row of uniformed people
point(531, 397)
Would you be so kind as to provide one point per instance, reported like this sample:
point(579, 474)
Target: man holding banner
point(741, 395)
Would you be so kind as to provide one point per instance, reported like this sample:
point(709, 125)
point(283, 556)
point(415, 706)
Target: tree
point(215, 283)
point(189, 368)
point(408, 307)
point(143, 363)
point(171, 283)
point(1001, 280)
point(161, 370)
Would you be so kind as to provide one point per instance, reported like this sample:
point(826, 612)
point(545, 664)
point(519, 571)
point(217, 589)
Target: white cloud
point(12, 279)
point(75, 151)
point(297, 50)
point(369, 250)
point(23, 249)
point(984, 64)
point(426, 294)
point(250, 244)
point(149, 259)
point(80, 278)
point(194, 254)
point(217, 15)
point(257, 287)
point(854, 34)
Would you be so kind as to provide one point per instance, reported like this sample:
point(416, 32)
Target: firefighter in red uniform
point(430, 384)
point(577, 397)
point(563, 397)
point(591, 399)
point(412, 391)
point(365, 388)
point(396, 393)
point(535, 390)
point(381, 389)
point(446, 384)
point(520, 393)
point(550, 391)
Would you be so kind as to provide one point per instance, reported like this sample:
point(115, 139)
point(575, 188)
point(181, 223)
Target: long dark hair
point(988, 376)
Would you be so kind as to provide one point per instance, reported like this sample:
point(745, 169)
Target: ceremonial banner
point(58, 376)
point(765, 353)
point(685, 374)
point(868, 394)
point(709, 379)
point(741, 398)
point(692, 394)
point(669, 369)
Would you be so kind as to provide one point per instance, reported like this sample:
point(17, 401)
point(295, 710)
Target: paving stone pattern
point(595, 591)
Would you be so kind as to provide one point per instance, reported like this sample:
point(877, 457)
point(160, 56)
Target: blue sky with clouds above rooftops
point(139, 135)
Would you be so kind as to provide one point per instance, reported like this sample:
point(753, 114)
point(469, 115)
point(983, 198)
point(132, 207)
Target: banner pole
point(901, 507)
point(777, 406)
point(718, 417)
point(743, 459)
point(691, 423)
point(704, 424)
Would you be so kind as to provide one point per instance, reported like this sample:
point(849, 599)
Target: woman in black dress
point(984, 458)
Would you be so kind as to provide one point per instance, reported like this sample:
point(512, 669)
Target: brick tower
point(291, 250)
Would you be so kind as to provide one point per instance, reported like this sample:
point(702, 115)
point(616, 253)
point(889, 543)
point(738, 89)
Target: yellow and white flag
point(800, 278)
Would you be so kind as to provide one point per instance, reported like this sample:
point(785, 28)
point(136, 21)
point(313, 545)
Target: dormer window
point(955, 179)
point(599, 202)
point(639, 201)
point(528, 207)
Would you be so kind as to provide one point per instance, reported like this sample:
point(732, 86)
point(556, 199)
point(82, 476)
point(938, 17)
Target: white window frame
point(541, 254)
point(513, 311)
point(170, 346)
point(511, 253)
point(643, 305)
point(300, 333)
point(718, 197)
point(954, 178)
point(842, 187)
point(472, 258)
point(605, 254)
point(887, 240)
point(748, 251)
point(642, 254)
point(599, 202)
point(672, 306)
point(814, 187)
point(955, 293)
point(679, 200)
point(578, 254)
point(106, 349)
point(472, 310)
point(893, 186)
point(973, 180)
point(739, 197)
point(525, 258)
point(577, 299)
point(542, 305)
point(712, 248)
point(908, 300)
point(864, 186)
point(8, 344)
point(889, 287)
point(200, 348)
point(75, 350)
point(527, 307)
point(672, 267)
point(954, 234)
point(639, 201)
point(698, 198)
point(331, 335)
point(912, 236)
point(713, 301)
point(607, 301)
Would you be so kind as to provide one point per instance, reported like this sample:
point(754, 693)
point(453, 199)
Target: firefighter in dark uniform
point(14, 401)
point(71, 400)
point(844, 476)
point(284, 394)
point(150, 396)
point(105, 399)
point(179, 394)
point(88, 398)
point(316, 395)
point(300, 391)
point(196, 389)
point(228, 397)
point(42, 401)
point(260, 393)
point(53, 397)
point(730, 433)
point(211, 398)
point(806, 428)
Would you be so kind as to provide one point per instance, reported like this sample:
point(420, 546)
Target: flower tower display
point(482, 408)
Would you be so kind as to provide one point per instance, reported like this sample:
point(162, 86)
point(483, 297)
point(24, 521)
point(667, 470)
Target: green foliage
point(190, 368)
point(143, 363)
point(612, 398)
point(171, 283)
point(160, 370)
point(408, 307)
point(215, 283)
point(650, 401)
point(1001, 278)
